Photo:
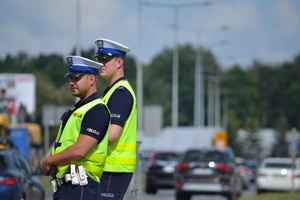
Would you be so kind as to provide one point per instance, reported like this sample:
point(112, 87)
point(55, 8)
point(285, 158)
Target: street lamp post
point(139, 75)
point(175, 66)
point(198, 93)
point(78, 52)
point(199, 82)
point(199, 79)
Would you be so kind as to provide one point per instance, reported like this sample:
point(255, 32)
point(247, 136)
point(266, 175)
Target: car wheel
point(182, 196)
point(150, 189)
point(231, 196)
point(43, 196)
point(258, 191)
point(23, 197)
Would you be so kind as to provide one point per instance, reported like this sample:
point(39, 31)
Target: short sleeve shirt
point(120, 104)
point(97, 118)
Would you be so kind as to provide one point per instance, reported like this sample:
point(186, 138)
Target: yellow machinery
point(36, 142)
point(4, 127)
point(33, 140)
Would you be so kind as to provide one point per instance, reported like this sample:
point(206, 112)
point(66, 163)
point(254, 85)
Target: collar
point(120, 79)
point(88, 99)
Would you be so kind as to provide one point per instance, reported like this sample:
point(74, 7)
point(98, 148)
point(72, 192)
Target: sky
point(265, 30)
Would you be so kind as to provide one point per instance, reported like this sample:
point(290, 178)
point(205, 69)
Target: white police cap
point(79, 65)
point(109, 48)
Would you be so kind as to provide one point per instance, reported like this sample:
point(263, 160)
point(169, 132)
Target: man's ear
point(120, 62)
point(92, 77)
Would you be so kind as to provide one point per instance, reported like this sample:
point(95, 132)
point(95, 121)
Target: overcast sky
point(267, 30)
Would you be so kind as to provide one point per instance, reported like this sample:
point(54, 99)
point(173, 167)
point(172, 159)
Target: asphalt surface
point(170, 195)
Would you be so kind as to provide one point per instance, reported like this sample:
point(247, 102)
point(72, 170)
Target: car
point(160, 171)
point(146, 154)
point(208, 171)
point(276, 173)
point(244, 171)
point(17, 179)
point(253, 167)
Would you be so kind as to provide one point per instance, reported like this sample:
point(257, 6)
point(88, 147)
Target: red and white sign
point(19, 90)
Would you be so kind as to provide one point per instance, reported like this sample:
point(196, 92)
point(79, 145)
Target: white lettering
point(111, 195)
point(116, 115)
point(93, 131)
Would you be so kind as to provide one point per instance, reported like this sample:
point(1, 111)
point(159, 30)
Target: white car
point(275, 174)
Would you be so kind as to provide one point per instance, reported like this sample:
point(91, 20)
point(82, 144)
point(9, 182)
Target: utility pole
point(199, 82)
point(293, 154)
point(175, 66)
point(139, 74)
point(78, 51)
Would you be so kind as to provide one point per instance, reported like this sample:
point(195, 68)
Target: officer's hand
point(47, 168)
point(52, 171)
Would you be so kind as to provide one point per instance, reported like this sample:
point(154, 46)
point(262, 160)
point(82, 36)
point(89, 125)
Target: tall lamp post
point(78, 52)
point(78, 49)
point(199, 82)
point(215, 97)
point(139, 74)
point(175, 67)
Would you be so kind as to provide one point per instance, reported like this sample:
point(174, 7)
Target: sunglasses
point(105, 60)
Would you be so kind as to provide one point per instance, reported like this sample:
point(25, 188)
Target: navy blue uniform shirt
point(96, 120)
point(120, 104)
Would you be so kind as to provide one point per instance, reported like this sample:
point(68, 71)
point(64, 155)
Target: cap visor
point(96, 55)
point(103, 55)
point(74, 74)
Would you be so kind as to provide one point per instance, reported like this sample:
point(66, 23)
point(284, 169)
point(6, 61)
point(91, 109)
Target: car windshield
point(2, 161)
point(278, 165)
point(167, 157)
point(205, 156)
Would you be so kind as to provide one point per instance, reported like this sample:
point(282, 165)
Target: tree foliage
point(263, 95)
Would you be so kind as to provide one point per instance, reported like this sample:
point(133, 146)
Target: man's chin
point(74, 94)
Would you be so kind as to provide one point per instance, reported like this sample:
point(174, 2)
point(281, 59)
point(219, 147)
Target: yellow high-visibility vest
point(121, 155)
point(94, 161)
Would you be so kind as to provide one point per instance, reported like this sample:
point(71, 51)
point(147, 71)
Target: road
point(170, 195)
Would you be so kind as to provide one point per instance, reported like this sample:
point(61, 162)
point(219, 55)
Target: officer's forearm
point(115, 131)
point(69, 155)
point(74, 152)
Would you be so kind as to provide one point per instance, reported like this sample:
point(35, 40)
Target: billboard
point(18, 90)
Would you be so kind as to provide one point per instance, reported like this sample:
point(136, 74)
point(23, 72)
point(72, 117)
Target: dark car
point(253, 168)
point(146, 154)
point(17, 180)
point(207, 171)
point(160, 171)
point(244, 171)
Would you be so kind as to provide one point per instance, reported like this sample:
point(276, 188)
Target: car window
point(16, 161)
point(205, 156)
point(22, 164)
point(25, 165)
point(215, 156)
point(3, 161)
point(167, 157)
point(278, 165)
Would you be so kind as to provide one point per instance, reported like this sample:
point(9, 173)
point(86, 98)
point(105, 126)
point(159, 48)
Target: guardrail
point(135, 187)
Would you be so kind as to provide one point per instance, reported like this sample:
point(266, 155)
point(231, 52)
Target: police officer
point(79, 154)
point(121, 100)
